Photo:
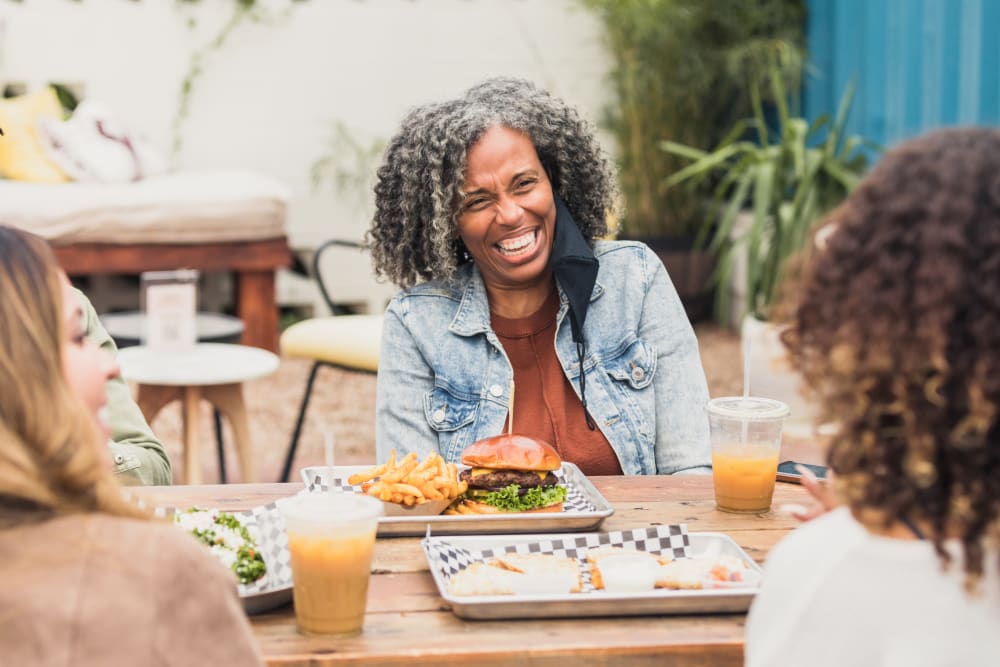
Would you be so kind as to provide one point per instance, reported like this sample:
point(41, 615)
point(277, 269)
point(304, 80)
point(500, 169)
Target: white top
point(204, 364)
point(834, 594)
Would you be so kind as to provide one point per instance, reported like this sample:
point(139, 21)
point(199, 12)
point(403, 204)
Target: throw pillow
point(95, 146)
point(22, 157)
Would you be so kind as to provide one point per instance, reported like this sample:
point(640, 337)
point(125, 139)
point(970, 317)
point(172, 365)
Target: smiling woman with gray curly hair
point(414, 236)
point(489, 212)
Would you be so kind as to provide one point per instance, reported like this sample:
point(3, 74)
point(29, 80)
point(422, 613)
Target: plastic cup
point(746, 443)
point(331, 537)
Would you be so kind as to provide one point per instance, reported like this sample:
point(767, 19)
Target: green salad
point(228, 539)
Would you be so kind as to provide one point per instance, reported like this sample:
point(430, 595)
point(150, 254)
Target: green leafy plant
point(787, 178)
point(679, 69)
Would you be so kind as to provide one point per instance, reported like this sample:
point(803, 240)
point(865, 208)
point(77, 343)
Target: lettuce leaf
point(510, 500)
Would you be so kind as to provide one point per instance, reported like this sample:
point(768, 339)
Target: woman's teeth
point(516, 246)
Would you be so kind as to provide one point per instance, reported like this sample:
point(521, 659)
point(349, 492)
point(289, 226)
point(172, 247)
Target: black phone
point(788, 473)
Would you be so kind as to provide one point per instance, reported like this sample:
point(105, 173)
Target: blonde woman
point(87, 578)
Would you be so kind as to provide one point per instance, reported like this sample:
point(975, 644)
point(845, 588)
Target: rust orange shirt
point(545, 403)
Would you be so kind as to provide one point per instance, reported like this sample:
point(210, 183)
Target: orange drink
point(331, 537)
point(744, 477)
point(746, 442)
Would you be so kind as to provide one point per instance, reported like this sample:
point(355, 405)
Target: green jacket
point(137, 455)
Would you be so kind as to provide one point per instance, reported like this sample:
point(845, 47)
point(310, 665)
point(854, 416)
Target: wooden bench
point(253, 263)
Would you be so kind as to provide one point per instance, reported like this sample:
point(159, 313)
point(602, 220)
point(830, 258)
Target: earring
point(463, 253)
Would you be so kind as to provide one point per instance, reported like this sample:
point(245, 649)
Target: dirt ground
point(344, 403)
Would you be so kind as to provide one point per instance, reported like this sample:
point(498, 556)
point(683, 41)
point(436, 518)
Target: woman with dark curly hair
point(489, 210)
point(896, 331)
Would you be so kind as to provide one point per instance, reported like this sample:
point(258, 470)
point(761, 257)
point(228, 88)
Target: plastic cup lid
point(332, 507)
point(748, 408)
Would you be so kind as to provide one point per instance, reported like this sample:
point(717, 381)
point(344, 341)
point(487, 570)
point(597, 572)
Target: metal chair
point(340, 340)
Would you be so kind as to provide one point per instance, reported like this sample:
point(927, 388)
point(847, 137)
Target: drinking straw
point(746, 366)
point(510, 413)
point(746, 384)
point(328, 444)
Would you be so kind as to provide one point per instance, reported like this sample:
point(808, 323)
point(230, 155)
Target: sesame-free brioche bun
point(511, 452)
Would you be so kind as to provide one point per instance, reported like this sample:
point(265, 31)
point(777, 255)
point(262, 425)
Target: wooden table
point(406, 623)
point(253, 263)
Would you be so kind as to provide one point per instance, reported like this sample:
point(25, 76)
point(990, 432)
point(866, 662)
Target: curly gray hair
point(414, 237)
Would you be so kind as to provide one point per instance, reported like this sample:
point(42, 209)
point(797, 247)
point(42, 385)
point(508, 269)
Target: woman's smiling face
point(507, 216)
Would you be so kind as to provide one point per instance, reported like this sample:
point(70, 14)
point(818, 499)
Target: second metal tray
point(447, 554)
point(585, 509)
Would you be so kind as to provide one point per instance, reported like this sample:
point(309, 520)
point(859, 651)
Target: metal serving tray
point(585, 509)
point(449, 554)
point(267, 524)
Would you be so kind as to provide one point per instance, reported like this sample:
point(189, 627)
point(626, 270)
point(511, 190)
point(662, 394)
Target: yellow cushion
point(22, 157)
point(351, 341)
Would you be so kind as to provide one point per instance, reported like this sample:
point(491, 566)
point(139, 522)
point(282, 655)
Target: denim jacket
point(444, 378)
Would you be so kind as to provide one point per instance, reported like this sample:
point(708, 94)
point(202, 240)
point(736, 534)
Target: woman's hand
point(822, 492)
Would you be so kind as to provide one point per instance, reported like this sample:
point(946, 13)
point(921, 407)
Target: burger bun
point(512, 452)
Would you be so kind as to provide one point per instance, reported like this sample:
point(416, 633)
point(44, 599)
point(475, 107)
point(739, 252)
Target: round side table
point(213, 371)
point(127, 329)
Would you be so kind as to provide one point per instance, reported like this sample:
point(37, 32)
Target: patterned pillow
point(22, 156)
point(97, 147)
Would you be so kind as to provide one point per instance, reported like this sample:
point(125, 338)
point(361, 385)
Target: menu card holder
point(169, 303)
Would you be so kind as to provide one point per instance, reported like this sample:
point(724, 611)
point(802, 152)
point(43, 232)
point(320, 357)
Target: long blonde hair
point(49, 444)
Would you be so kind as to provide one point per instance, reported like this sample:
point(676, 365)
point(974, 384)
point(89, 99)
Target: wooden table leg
point(192, 460)
point(228, 398)
point(151, 398)
point(257, 306)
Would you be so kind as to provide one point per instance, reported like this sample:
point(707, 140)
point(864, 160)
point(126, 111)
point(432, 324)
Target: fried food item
point(518, 574)
point(410, 481)
point(545, 565)
point(483, 579)
point(595, 555)
point(689, 573)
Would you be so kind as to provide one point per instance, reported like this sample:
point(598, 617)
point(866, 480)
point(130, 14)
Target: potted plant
point(785, 178)
point(678, 74)
point(772, 188)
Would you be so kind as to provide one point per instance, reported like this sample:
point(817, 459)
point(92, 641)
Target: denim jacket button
point(438, 416)
point(496, 390)
point(638, 374)
point(119, 459)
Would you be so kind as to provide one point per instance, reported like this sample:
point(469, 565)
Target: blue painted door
point(919, 64)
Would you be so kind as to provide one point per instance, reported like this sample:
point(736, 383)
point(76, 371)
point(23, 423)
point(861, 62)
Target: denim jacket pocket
point(447, 412)
point(635, 366)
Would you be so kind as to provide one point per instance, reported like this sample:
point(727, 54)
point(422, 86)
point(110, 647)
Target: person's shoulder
point(814, 538)
point(152, 539)
point(620, 249)
point(616, 255)
point(450, 289)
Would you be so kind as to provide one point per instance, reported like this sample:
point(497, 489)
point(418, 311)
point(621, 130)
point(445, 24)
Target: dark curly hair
point(896, 330)
point(413, 236)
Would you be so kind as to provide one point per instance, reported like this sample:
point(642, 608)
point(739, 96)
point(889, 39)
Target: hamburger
point(511, 473)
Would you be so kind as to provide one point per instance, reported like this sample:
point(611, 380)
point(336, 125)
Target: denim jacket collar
point(473, 314)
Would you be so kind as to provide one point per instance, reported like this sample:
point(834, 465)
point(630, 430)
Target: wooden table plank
point(442, 638)
point(407, 622)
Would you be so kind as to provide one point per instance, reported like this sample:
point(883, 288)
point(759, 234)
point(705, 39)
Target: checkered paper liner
point(316, 480)
point(449, 559)
point(266, 525)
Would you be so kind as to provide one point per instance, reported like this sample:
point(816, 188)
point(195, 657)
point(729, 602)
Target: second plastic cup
point(331, 537)
point(746, 443)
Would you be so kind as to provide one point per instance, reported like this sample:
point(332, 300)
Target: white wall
point(269, 97)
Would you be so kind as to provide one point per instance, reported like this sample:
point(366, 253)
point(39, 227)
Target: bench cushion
point(187, 207)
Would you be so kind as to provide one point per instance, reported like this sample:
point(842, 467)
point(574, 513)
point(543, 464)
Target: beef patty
point(499, 479)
